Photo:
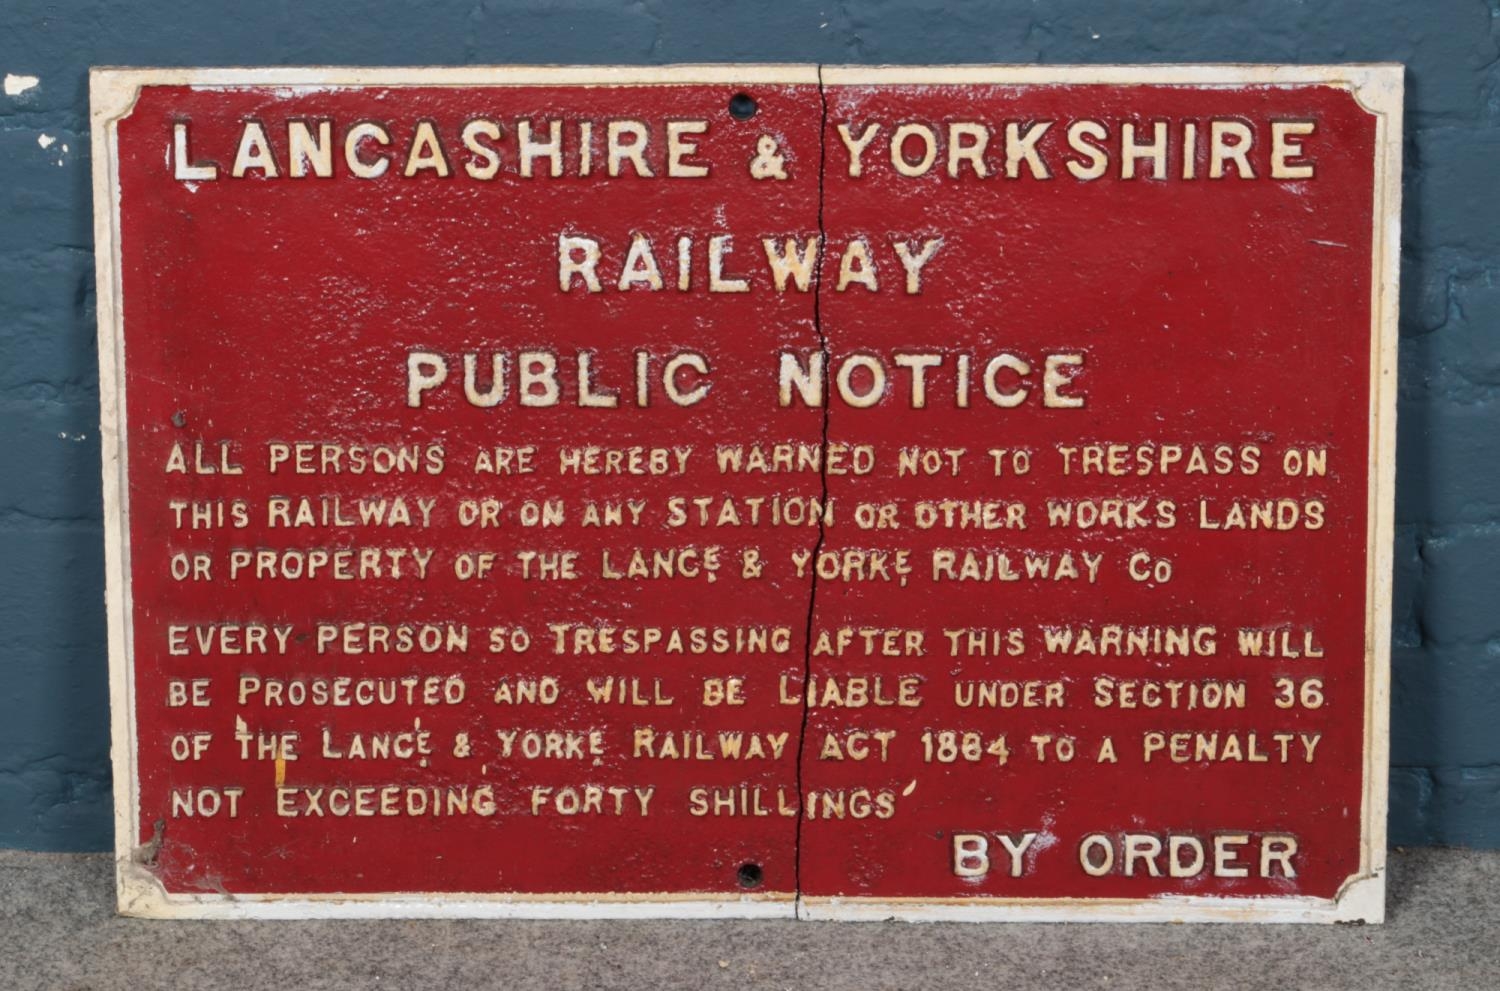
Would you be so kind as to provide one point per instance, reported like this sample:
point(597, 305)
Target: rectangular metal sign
point(932, 493)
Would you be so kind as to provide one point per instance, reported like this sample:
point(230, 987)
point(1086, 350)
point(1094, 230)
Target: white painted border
point(1378, 88)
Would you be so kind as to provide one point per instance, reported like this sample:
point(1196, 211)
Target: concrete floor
point(58, 932)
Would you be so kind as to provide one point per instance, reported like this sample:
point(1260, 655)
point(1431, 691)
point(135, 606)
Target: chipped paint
point(15, 84)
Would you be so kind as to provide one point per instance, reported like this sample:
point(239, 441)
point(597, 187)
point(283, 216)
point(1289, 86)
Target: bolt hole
point(742, 106)
point(750, 875)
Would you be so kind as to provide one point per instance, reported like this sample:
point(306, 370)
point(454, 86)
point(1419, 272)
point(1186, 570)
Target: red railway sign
point(749, 491)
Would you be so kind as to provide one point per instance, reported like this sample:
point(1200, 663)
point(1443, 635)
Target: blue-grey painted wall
point(54, 749)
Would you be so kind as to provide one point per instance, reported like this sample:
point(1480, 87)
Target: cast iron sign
point(942, 493)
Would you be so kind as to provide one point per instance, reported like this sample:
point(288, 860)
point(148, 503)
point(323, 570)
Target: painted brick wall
point(54, 772)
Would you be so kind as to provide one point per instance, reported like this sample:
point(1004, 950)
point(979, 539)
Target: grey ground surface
point(58, 931)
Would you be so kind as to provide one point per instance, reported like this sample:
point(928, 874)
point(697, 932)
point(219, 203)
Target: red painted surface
point(1209, 312)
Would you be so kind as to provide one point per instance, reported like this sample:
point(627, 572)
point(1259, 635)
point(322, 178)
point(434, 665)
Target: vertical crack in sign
point(812, 592)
